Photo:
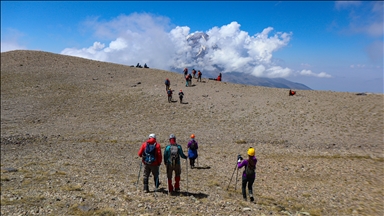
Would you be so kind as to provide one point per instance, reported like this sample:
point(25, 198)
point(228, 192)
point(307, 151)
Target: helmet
point(172, 136)
point(192, 136)
point(152, 135)
point(251, 151)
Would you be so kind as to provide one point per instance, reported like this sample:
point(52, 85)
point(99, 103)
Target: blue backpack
point(150, 153)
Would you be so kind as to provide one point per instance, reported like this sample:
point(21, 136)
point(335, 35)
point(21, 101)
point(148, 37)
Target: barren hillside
point(71, 129)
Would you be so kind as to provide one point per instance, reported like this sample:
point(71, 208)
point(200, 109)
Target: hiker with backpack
point(194, 73)
point(199, 75)
point(192, 151)
point(167, 84)
point(249, 173)
point(169, 93)
point(150, 152)
point(181, 95)
point(172, 154)
point(185, 71)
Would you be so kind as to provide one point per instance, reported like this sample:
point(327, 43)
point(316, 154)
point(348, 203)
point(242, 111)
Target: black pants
point(192, 162)
point(246, 181)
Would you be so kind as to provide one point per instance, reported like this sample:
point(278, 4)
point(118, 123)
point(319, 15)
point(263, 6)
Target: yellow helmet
point(251, 151)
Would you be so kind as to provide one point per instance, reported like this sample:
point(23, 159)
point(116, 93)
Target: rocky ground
point(71, 129)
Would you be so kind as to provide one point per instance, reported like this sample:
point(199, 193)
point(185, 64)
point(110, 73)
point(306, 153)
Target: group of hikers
point(139, 66)
point(188, 82)
point(150, 152)
point(188, 77)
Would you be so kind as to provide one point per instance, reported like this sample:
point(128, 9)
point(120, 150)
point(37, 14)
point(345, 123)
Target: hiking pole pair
point(138, 177)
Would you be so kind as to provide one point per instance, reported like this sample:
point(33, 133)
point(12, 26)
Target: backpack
point(250, 170)
point(193, 145)
point(166, 82)
point(174, 154)
point(150, 153)
point(169, 92)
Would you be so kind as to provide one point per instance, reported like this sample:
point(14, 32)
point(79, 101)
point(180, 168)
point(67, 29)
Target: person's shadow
point(202, 167)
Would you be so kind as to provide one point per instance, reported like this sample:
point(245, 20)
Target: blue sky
point(326, 45)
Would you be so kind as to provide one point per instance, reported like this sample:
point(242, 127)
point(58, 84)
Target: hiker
point(169, 93)
point(217, 79)
point(189, 80)
point(291, 93)
point(167, 84)
point(172, 154)
point(249, 173)
point(138, 65)
point(181, 95)
point(186, 80)
point(185, 71)
point(194, 73)
point(145, 65)
point(199, 75)
point(150, 152)
point(192, 151)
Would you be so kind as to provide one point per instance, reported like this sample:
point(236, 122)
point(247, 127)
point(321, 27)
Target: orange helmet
point(192, 136)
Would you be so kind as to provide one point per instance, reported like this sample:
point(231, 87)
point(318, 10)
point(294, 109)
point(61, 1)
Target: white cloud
point(310, 73)
point(146, 38)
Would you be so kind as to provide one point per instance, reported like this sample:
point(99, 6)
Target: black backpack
point(174, 154)
point(250, 169)
point(166, 82)
point(193, 145)
point(150, 153)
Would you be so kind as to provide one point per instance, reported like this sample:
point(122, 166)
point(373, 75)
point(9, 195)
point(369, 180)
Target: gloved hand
point(239, 158)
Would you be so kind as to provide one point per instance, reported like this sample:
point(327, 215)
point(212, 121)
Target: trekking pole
point(237, 174)
point(232, 177)
point(138, 177)
point(186, 164)
point(157, 181)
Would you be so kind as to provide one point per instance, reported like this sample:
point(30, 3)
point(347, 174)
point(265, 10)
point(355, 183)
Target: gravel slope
point(71, 129)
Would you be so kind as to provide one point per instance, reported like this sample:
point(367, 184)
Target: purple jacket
point(192, 153)
point(244, 163)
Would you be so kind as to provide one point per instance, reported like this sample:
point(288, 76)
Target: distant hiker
point(189, 80)
point(291, 93)
point(194, 73)
point(185, 71)
point(150, 152)
point(172, 154)
point(249, 173)
point(199, 75)
point(217, 79)
point(138, 65)
point(181, 95)
point(167, 84)
point(145, 65)
point(186, 80)
point(192, 151)
point(169, 93)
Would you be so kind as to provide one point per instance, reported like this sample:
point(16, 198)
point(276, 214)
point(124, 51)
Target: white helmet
point(172, 136)
point(152, 135)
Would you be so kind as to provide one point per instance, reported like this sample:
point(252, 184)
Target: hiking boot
point(252, 199)
point(177, 189)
